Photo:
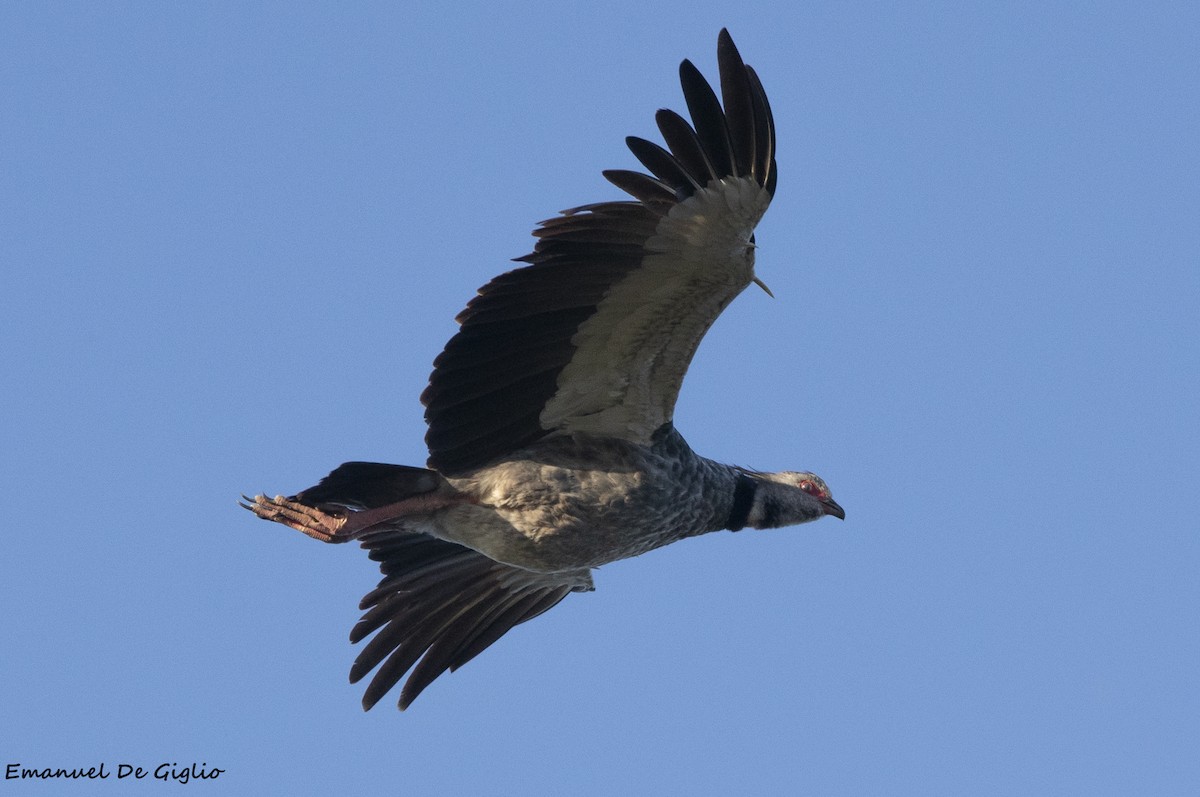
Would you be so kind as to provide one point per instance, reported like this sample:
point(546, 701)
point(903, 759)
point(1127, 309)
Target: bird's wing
point(595, 334)
point(443, 604)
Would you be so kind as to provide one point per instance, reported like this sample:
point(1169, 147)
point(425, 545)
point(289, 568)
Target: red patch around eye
point(811, 489)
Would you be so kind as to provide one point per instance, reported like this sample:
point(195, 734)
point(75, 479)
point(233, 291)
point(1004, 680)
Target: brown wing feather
point(616, 295)
point(438, 606)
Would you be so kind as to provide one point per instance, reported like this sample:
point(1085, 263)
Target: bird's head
point(812, 485)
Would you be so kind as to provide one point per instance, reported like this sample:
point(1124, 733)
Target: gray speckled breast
point(578, 501)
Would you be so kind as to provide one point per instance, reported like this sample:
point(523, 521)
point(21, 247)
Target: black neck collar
point(743, 500)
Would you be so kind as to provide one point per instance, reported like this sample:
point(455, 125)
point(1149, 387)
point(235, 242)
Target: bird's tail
point(355, 497)
point(369, 485)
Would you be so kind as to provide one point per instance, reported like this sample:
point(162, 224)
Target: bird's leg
point(341, 524)
point(314, 522)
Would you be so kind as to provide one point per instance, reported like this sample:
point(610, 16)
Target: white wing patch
point(631, 355)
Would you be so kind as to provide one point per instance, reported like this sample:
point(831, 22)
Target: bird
point(552, 447)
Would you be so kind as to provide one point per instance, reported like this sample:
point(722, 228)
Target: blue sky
point(234, 237)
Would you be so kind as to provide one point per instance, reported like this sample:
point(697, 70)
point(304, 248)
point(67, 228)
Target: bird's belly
point(563, 518)
point(568, 546)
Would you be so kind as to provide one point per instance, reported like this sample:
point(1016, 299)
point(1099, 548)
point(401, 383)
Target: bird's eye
point(810, 488)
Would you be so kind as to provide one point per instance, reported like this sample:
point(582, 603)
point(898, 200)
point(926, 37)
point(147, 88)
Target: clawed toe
point(314, 522)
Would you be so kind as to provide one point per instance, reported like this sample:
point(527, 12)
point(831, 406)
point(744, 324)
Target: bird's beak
point(831, 508)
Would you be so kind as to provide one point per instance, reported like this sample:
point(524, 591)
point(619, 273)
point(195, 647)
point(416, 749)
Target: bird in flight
point(551, 444)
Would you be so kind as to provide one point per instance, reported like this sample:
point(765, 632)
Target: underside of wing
point(438, 606)
point(596, 332)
